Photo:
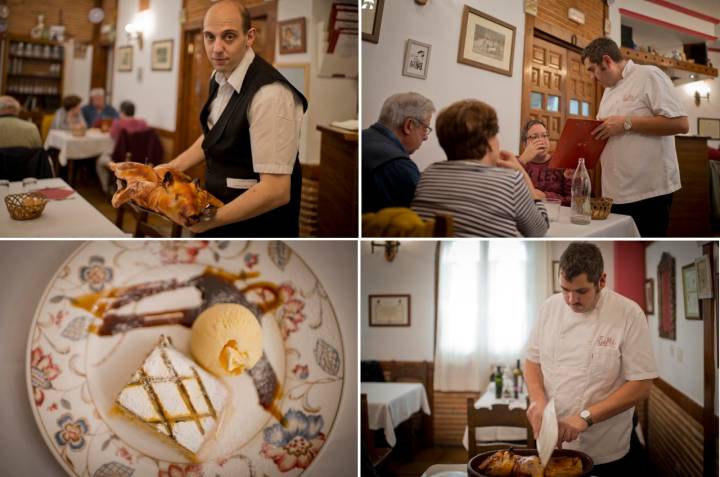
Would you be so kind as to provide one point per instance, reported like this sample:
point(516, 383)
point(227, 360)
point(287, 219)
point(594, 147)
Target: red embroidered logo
point(628, 98)
point(606, 341)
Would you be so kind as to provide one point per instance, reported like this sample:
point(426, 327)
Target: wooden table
point(71, 217)
point(338, 189)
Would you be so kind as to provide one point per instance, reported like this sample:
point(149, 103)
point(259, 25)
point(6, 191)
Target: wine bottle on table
point(498, 383)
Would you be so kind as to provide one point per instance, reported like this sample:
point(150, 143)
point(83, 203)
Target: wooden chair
point(377, 454)
point(499, 415)
point(46, 122)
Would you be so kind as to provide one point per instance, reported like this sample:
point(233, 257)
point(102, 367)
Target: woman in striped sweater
point(487, 191)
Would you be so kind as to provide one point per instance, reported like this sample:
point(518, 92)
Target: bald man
point(15, 132)
point(251, 130)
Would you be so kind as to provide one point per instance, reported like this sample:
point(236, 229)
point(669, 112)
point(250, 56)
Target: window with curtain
point(488, 295)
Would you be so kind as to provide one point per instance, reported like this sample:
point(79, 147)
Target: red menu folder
point(575, 142)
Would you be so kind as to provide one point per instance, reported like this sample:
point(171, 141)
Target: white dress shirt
point(585, 357)
point(275, 116)
point(638, 166)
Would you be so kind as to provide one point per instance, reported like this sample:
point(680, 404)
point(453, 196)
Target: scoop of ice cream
point(226, 339)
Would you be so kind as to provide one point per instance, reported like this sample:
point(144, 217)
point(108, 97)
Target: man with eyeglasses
point(389, 175)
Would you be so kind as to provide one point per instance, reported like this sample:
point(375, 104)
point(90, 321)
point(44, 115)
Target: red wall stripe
point(686, 11)
point(629, 270)
point(672, 26)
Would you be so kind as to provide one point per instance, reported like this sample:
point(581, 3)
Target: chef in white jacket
point(590, 350)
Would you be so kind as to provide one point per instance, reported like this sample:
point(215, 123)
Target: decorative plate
point(80, 356)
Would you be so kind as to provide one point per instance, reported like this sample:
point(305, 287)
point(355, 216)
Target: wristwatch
point(585, 414)
point(627, 124)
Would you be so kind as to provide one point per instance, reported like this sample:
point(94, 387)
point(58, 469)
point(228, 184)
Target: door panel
point(547, 80)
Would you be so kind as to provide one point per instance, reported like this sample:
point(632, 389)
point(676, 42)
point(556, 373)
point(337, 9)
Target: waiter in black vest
point(251, 130)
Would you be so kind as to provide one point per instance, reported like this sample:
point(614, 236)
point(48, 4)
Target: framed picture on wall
point(556, 277)
point(690, 292)
point(486, 42)
point(709, 127)
point(649, 296)
point(389, 310)
point(292, 36)
point(704, 278)
point(162, 55)
point(417, 58)
point(666, 296)
point(371, 19)
point(124, 58)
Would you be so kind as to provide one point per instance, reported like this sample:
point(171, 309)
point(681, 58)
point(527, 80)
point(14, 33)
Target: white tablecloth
point(71, 217)
point(94, 143)
point(33, 263)
point(389, 404)
point(615, 225)
point(498, 433)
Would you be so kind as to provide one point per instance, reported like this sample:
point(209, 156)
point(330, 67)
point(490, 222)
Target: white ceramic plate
point(74, 373)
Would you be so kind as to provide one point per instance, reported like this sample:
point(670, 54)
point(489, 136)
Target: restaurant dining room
point(108, 111)
point(629, 86)
point(539, 358)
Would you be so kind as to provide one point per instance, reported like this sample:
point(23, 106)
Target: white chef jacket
point(585, 357)
point(639, 166)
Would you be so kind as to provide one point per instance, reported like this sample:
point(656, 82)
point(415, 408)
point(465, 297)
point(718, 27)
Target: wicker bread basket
point(600, 207)
point(25, 206)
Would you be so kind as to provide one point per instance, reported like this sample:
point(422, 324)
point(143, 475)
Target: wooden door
point(545, 87)
point(580, 90)
point(264, 18)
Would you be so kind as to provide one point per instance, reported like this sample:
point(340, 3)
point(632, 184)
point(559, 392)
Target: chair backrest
point(141, 144)
point(443, 225)
point(365, 433)
point(46, 123)
point(17, 163)
point(499, 415)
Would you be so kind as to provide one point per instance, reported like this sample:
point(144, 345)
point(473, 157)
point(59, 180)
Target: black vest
point(228, 155)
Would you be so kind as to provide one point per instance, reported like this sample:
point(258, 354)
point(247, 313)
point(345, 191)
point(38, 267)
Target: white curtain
point(488, 295)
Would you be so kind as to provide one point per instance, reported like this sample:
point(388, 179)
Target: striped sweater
point(484, 201)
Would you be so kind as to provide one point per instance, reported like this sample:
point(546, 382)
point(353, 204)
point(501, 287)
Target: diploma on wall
point(576, 142)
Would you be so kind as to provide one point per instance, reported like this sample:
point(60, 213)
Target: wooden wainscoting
point(450, 416)
point(675, 432)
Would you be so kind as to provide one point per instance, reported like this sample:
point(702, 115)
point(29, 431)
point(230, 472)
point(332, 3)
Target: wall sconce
point(391, 248)
point(698, 90)
point(141, 25)
point(134, 33)
point(698, 97)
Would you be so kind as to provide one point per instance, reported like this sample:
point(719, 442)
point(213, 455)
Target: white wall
point(680, 362)
point(707, 109)
point(438, 23)
point(153, 92)
point(77, 72)
point(606, 249)
point(412, 272)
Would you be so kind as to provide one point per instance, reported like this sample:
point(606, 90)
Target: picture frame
point(556, 277)
point(690, 292)
point(298, 74)
point(125, 59)
point(486, 42)
point(389, 310)
point(709, 127)
point(649, 296)
point(161, 55)
point(372, 11)
point(704, 278)
point(417, 59)
point(666, 297)
point(292, 36)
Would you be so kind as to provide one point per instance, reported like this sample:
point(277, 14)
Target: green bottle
point(498, 383)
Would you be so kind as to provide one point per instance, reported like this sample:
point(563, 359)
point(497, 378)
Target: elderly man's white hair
point(9, 105)
point(95, 92)
point(401, 106)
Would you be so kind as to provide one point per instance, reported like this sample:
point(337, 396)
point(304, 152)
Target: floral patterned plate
point(77, 364)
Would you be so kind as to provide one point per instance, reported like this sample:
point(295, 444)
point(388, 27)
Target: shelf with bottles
point(20, 67)
point(34, 50)
point(16, 85)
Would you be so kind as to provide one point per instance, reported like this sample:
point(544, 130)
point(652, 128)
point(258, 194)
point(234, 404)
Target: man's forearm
point(625, 397)
point(659, 125)
point(190, 157)
point(271, 192)
point(535, 382)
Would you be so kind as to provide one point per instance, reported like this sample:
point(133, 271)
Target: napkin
point(548, 433)
point(56, 193)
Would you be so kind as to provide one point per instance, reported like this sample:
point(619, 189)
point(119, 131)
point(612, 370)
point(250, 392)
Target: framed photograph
point(125, 58)
point(666, 296)
point(649, 296)
point(389, 310)
point(298, 74)
point(371, 20)
point(486, 42)
point(704, 278)
point(417, 58)
point(709, 127)
point(690, 292)
point(556, 277)
point(162, 55)
point(292, 36)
